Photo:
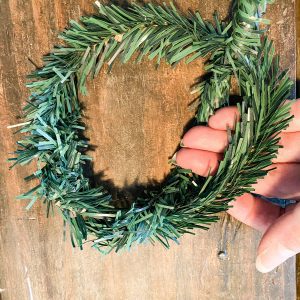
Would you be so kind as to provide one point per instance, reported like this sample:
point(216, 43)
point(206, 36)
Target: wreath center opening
point(134, 117)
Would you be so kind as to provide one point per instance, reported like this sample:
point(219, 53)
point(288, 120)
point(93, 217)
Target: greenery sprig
point(53, 127)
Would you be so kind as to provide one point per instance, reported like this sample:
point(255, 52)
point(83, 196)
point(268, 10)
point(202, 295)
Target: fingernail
point(272, 257)
point(181, 143)
point(173, 159)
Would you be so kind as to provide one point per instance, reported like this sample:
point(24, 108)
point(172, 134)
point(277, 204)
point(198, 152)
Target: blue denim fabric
point(277, 201)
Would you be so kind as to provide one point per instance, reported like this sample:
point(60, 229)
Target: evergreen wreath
point(53, 129)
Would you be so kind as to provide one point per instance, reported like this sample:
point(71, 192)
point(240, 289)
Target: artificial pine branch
point(186, 200)
point(244, 39)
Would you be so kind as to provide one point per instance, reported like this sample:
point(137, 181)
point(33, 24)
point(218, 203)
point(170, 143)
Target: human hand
point(202, 149)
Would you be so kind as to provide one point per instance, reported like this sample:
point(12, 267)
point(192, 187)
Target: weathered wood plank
point(298, 95)
point(135, 117)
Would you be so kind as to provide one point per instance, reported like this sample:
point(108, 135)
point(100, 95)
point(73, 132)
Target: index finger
point(228, 116)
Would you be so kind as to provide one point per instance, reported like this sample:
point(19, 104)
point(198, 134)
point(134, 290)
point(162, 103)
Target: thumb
point(280, 242)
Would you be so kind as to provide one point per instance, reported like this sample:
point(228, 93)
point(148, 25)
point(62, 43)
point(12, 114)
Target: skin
point(202, 148)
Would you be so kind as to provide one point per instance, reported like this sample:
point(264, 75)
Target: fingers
point(283, 182)
point(254, 212)
point(199, 161)
point(202, 145)
point(205, 138)
point(280, 242)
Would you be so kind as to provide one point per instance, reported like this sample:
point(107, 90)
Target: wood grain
point(135, 117)
point(298, 96)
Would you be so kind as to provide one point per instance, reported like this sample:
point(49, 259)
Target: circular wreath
point(238, 48)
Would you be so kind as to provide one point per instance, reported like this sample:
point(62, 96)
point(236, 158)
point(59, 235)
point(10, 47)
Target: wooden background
point(135, 117)
point(298, 95)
